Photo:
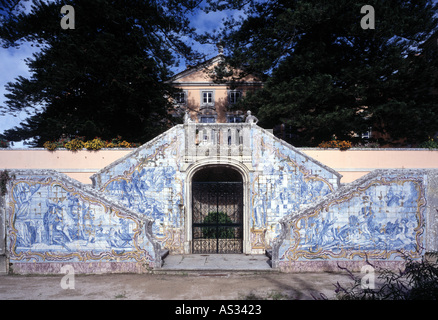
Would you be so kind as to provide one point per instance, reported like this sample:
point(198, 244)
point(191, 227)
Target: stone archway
point(217, 211)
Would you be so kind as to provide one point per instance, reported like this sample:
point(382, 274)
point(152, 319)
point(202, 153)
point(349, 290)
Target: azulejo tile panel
point(380, 219)
point(283, 181)
point(294, 206)
point(150, 182)
point(51, 220)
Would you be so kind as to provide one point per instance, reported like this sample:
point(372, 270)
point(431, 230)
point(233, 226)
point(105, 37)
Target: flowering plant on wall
point(118, 143)
point(75, 144)
point(97, 143)
point(342, 145)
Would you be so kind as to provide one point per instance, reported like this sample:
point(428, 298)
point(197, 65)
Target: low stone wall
point(52, 220)
point(357, 162)
point(140, 203)
point(383, 217)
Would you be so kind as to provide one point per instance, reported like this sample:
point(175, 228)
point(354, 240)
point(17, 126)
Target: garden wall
point(382, 217)
point(351, 164)
point(52, 220)
point(140, 202)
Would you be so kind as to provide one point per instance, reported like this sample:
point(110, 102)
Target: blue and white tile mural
point(283, 181)
point(149, 181)
point(381, 218)
point(295, 206)
point(51, 220)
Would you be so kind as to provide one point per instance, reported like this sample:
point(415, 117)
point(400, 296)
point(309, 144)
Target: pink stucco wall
point(352, 164)
point(355, 163)
point(79, 165)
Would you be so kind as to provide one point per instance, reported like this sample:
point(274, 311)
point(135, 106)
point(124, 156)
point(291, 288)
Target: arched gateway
point(217, 210)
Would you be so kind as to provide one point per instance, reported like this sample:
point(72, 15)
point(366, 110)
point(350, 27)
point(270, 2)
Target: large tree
point(327, 76)
point(106, 77)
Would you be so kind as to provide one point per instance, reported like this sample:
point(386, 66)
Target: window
point(234, 96)
point(207, 97)
point(180, 98)
point(234, 119)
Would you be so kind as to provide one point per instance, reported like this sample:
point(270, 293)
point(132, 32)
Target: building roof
point(197, 75)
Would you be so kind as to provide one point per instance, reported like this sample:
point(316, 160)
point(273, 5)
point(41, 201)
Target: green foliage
point(95, 144)
point(4, 143)
point(104, 78)
point(220, 232)
point(342, 145)
point(327, 76)
point(432, 143)
point(78, 143)
point(75, 144)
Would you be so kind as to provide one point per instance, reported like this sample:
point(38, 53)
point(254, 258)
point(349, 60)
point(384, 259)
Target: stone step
point(216, 263)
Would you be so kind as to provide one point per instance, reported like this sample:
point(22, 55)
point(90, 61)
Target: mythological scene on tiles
point(51, 222)
point(383, 220)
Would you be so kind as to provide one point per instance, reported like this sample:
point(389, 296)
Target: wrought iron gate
point(217, 217)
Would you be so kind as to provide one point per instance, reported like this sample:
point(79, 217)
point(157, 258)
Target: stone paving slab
point(227, 286)
point(222, 262)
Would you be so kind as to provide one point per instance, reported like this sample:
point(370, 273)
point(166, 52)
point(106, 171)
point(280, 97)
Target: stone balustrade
point(218, 140)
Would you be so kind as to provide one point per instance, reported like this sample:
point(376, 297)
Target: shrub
point(50, 145)
point(419, 281)
point(124, 144)
point(4, 143)
point(78, 143)
point(118, 143)
point(430, 144)
point(95, 144)
point(75, 144)
point(214, 232)
point(341, 144)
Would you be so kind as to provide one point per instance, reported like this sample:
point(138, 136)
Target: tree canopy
point(325, 75)
point(106, 77)
point(328, 77)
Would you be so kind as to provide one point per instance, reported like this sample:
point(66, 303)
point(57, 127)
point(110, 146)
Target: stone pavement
point(189, 277)
point(217, 262)
point(190, 286)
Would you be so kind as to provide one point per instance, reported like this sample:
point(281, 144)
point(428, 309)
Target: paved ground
point(222, 262)
point(212, 286)
point(223, 286)
point(194, 277)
